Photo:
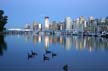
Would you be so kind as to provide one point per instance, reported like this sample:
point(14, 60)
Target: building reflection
point(61, 40)
point(27, 37)
point(37, 39)
point(50, 39)
point(55, 39)
point(68, 42)
point(77, 42)
point(3, 45)
point(46, 42)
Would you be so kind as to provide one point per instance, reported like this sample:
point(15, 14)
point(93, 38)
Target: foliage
point(3, 20)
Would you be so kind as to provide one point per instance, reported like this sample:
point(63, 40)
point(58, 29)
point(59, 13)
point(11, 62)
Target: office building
point(47, 23)
point(68, 23)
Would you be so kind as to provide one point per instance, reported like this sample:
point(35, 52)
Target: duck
point(33, 53)
point(48, 52)
point(54, 54)
point(65, 67)
point(30, 56)
point(45, 57)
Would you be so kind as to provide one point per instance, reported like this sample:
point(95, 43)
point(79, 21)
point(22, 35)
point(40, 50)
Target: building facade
point(47, 23)
point(68, 23)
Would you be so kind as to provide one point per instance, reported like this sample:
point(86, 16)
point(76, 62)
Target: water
point(53, 53)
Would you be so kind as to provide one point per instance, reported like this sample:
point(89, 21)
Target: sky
point(21, 12)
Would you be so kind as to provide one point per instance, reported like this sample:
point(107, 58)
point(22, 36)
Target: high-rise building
point(40, 26)
point(76, 24)
point(81, 20)
point(77, 21)
point(79, 25)
point(47, 23)
point(35, 26)
point(91, 18)
point(54, 25)
point(82, 24)
point(61, 26)
point(92, 25)
point(68, 23)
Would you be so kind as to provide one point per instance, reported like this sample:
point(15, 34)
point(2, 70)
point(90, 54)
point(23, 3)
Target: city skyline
point(25, 12)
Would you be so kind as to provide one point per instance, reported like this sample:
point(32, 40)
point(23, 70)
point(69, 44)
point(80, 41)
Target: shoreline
point(105, 35)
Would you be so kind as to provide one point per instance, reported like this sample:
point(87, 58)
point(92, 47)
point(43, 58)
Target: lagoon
point(52, 53)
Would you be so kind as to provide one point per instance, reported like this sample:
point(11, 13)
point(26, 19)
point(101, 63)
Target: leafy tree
point(3, 20)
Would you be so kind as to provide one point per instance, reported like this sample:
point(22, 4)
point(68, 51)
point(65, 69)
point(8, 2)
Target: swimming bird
point(65, 67)
point(30, 56)
point(48, 52)
point(45, 57)
point(33, 53)
point(54, 54)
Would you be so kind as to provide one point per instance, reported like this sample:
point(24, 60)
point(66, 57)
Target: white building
point(40, 26)
point(82, 23)
point(91, 18)
point(47, 23)
point(68, 23)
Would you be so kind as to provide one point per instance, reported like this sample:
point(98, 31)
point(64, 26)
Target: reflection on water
point(46, 42)
point(58, 53)
point(3, 45)
point(27, 37)
point(80, 43)
point(37, 39)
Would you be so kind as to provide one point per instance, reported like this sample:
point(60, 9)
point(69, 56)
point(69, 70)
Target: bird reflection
point(45, 58)
point(65, 67)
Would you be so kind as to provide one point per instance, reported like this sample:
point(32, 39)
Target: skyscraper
point(68, 23)
point(81, 19)
point(91, 18)
point(35, 26)
point(47, 23)
point(40, 26)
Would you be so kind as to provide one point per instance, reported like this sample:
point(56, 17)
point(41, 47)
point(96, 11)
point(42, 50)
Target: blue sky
point(21, 12)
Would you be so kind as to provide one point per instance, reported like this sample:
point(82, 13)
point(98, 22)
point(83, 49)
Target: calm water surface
point(53, 53)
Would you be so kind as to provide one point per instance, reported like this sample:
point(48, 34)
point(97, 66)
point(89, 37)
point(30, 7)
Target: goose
point(54, 54)
point(65, 67)
point(33, 53)
point(45, 57)
point(29, 56)
point(48, 52)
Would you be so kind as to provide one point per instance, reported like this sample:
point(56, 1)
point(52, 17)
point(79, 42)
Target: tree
point(3, 20)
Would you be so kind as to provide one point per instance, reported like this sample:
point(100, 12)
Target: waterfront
point(52, 53)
